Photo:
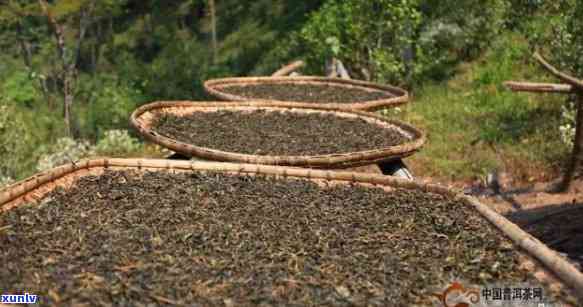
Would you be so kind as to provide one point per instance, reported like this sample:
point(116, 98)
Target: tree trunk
point(68, 63)
point(60, 40)
point(408, 53)
point(68, 93)
point(27, 59)
point(24, 47)
point(577, 146)
point(213, 13)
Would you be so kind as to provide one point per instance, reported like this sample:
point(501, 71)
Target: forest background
point(72, 71)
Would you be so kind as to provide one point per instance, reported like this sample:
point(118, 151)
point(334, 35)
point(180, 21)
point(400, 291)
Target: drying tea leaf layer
point(263, 132)
point(130, 238)
point(299, 92)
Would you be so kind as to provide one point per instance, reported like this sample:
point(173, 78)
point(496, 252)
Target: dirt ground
point(556, 219)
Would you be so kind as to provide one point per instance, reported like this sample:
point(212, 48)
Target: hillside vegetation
point(72, 71)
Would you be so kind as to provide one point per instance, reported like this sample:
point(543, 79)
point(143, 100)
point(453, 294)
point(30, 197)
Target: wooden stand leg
point(577, 144)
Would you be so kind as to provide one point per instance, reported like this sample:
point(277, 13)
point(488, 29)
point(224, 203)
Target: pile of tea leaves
point(208, 239)
point(262, 132)
point(314, 93)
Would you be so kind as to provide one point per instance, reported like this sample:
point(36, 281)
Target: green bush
point(399, 41)
point(20, 134)
point(477, 22)
point(566, 44)
point(455, 31)
point(523, 12)
point(117, 143)
point(567, 127)
point(175, 77)
point(539, 20)
point(66, 150)
point(19, 88)
point(365, 35)
point(5, 181)
point(108, 105)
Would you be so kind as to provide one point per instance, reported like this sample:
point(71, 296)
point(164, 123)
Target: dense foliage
point(114, 56)
point(567, 42)
point(369, 45)
point(104, 58)
point(400, 41)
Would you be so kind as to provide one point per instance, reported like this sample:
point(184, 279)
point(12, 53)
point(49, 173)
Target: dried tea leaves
point(305, 92)
point(129, 238)
point(263, 132)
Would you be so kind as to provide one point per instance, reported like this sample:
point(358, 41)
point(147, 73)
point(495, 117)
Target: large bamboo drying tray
point(398, 96)
point(144, 118)
point(547, 266)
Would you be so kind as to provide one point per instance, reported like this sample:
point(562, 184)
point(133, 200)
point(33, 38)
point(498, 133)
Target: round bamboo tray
point(144, 118)
point(547, 266)
point(397, 95)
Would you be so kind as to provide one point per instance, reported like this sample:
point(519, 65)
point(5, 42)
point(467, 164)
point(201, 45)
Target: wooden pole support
point(533, 87)
point(561, 75)
point(575, 162)
point(570, 85)
point(288, 69)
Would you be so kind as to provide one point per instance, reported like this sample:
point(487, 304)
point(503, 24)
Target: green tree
point(21, 33)
point(372, 37)
point(399, 41)
point(566, 43)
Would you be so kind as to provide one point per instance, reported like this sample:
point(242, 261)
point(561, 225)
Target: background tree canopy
point(104, 58)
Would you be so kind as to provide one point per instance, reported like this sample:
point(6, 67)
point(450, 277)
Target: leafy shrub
point(566, 43)
point(178, 77)
point(19, 89)
point(454, 31)
point(523, 12)
point(20, 132)
point(66, 150)
point(476, 22)
point(567, 128)
point(117, 142)
point(110, 103)
point(5, 181)
point(538, 20)
point(399, 41)
point(370, 35)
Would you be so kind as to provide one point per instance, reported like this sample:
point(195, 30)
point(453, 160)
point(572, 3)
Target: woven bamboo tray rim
point(398, 95)
point(142, 118)
point(543, 260)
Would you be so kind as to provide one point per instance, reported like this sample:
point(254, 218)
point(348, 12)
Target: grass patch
point(475, 125)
